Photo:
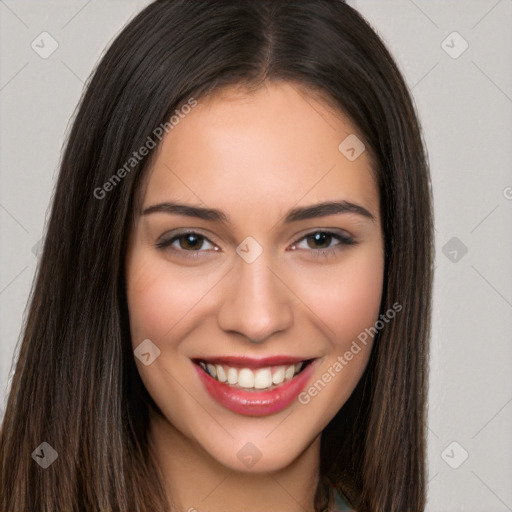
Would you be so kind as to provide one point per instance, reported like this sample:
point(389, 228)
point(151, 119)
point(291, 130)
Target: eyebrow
point(296, 214)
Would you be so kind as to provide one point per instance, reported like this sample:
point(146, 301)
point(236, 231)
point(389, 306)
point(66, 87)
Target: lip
point(256, 403)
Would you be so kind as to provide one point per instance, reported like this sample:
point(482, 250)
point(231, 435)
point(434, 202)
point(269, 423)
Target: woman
point(232, 308)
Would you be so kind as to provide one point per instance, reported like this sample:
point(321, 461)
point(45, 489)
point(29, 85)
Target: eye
point(323, 243)
point(189, 242)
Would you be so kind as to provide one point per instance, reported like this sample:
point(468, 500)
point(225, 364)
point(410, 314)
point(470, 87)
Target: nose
point(256, 303)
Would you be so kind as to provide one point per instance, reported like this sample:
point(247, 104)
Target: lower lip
point(256, 403)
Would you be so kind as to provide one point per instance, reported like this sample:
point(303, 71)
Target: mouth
point(254, 387)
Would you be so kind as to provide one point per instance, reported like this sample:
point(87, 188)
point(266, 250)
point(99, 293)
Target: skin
point(253, 155)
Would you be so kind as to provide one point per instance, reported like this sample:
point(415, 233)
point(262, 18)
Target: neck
point(194, 481)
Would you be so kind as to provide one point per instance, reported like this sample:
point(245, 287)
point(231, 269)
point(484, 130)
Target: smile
point(262, 378)
point(254, 387)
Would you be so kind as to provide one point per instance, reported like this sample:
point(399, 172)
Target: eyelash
point(344, 240)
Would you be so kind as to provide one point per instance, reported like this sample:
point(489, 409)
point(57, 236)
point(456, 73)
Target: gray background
point(465, 104)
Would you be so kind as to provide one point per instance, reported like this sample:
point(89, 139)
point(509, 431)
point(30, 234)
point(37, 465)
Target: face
point(233, 272)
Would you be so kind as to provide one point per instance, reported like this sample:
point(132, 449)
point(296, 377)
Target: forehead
point(276, 146)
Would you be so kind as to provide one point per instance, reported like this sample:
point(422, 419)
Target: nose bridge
point(257, 303)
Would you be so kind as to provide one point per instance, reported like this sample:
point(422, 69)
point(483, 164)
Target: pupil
point(321, 238)
point(191, 242)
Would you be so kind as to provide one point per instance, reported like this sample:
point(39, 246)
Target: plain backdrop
point(456, 57)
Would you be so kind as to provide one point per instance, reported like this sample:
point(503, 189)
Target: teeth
point(211, 369)
point(289, 372)
point(221, 374)
point(246, 378)
point(232, 376)
point(278, 376)
point(262, 378)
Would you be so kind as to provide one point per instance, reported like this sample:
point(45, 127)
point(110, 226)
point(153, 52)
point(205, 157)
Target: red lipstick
point(255, 403)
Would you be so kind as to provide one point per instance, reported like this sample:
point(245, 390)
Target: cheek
point(346, 298)
point(347, 303)
point(358, 296)
point(160, 301)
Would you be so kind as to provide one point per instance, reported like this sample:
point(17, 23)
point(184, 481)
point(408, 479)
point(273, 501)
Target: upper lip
point(251, 362)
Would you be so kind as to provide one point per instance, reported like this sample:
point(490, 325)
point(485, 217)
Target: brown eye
point(320, 243)
point(319, 240)
point(190, 241)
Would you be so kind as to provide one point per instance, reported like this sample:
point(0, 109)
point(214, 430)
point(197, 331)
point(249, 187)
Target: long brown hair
point(76, 386)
